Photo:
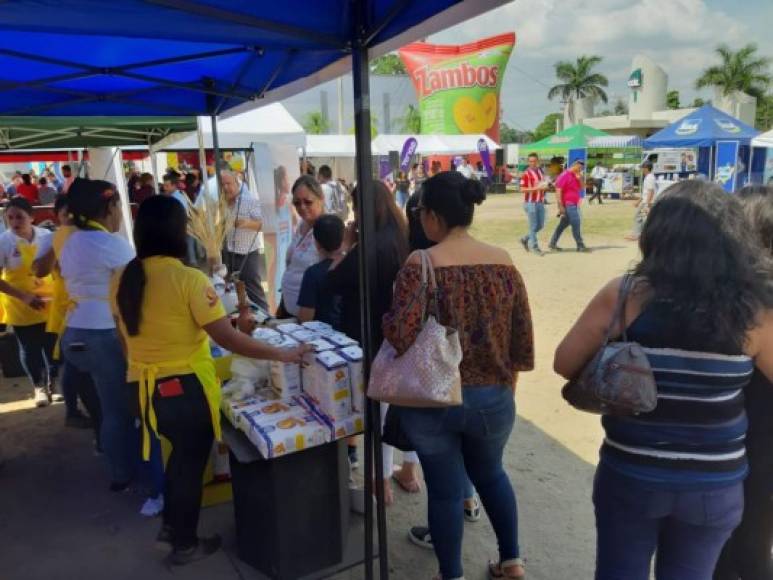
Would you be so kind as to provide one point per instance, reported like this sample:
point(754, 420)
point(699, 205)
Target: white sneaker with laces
point(153, 506)
point(54, 391)
point(41, 397)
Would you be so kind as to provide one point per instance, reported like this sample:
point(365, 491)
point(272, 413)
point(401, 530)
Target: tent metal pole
point(368, 284)
point(202, 155)
point(216, 153)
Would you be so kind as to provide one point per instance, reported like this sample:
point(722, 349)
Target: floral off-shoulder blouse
point(487, 304)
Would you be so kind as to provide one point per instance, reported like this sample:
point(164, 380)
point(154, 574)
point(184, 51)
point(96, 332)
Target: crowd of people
point(127, 332)
point(37, 190)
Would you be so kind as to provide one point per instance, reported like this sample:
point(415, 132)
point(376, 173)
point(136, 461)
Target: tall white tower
point(648, 84)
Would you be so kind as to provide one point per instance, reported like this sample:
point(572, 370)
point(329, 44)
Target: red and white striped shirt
point(532, 178)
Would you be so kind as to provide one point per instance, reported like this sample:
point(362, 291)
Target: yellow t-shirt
point(178, 301)
point(60, 299)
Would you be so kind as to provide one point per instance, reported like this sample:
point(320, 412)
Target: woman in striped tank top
point(670, 482)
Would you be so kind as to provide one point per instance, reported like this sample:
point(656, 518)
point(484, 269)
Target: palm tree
point(411, 122)
point(578, 81)
point(316, 123)
point(743, 71)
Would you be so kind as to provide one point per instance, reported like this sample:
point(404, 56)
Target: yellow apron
point(17, 313)
point(60, 302)
point(203, 366)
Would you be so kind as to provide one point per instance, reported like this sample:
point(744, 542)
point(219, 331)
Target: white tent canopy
point(764, 140)
point(343, 145)
point(240, 131)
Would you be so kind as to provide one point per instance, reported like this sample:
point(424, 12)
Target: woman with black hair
point(24, 298)
point(90, 342)
point(747, 554)
point(167, 312)
point(390, 239)
point(670, 482)
point(482, 296)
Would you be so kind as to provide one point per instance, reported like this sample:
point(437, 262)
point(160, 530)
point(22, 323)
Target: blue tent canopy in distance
point(192, 57)
point(702, 128)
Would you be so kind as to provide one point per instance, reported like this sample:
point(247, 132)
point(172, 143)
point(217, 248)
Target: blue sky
point(680, 35)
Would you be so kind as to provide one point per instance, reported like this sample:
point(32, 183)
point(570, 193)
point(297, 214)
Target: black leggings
point(36, 351)
point(186, 422)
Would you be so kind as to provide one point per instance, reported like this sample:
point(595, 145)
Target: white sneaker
point(41, 397)
point(56, 395)
point(153, 506)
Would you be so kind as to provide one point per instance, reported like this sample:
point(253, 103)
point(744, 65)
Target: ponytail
point(130, 293)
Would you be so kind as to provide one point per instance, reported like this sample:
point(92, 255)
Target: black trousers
point(746, 555)
point(249, 272)
point(186, 422)
point(36, 350)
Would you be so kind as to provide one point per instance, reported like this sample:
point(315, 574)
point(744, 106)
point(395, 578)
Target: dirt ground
point(57, 520)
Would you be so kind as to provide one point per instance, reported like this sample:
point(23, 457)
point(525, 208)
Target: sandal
point(497, 571)
point(413, 486)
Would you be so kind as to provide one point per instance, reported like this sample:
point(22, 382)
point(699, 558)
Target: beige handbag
point(427, 374)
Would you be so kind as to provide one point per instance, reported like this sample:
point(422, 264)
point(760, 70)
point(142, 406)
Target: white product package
point(289, 434)
point(268, 412)
point(353, 357)
point(340, 339)
point(249, 369)
point(265, 334)
point(289, 327)
point(326, 379)
point(286, 377)
point(304, 335)
point(318, 327)
point(233, 408)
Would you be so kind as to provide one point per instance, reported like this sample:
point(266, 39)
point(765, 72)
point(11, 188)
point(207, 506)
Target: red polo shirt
point(570, 186)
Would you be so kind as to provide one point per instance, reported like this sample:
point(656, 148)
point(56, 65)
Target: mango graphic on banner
point(458, 86)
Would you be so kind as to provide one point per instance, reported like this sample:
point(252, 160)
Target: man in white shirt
point(649, 188)
point(597, 174)
point(335, 196)
point(464, 168)
point(241, 246)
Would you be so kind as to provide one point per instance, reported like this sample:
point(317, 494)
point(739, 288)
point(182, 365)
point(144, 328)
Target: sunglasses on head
point(304, 202)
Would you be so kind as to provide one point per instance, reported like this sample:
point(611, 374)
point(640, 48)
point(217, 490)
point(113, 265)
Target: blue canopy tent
point(216, 57)
point(721, 140)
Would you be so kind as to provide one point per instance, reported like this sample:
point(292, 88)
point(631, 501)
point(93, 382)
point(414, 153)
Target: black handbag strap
point(619, 315)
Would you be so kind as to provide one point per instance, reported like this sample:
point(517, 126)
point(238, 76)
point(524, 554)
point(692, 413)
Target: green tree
point(411, 121)
point(698, 103)
point(389, 64)
point(672, 100)
point(373, 127)
point(743, 70)
point(547, 127)
point(316, 123)
point(764, 121)
point(578, 81)
point(508, 134)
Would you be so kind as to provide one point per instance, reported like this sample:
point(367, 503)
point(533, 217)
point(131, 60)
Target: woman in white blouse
point(309, 203)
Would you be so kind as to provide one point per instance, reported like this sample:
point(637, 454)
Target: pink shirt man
point(570, 186)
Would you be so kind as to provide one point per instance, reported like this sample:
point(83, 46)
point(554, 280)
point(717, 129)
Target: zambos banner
point(458, 86)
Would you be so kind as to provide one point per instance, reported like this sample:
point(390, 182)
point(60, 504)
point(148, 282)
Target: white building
point(647, 109)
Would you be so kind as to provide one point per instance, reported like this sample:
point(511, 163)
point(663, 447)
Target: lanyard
point(97, 226)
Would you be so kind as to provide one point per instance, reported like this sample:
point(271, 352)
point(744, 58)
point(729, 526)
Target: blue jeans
point(571, 217)
point(686, 529)
point(536, 214)
point(99, 353)
point(470, 437)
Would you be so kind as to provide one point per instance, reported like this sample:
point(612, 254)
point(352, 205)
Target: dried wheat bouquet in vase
point(208, 223)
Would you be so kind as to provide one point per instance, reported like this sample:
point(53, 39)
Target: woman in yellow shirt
point(24, 298)
point(166, 312)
